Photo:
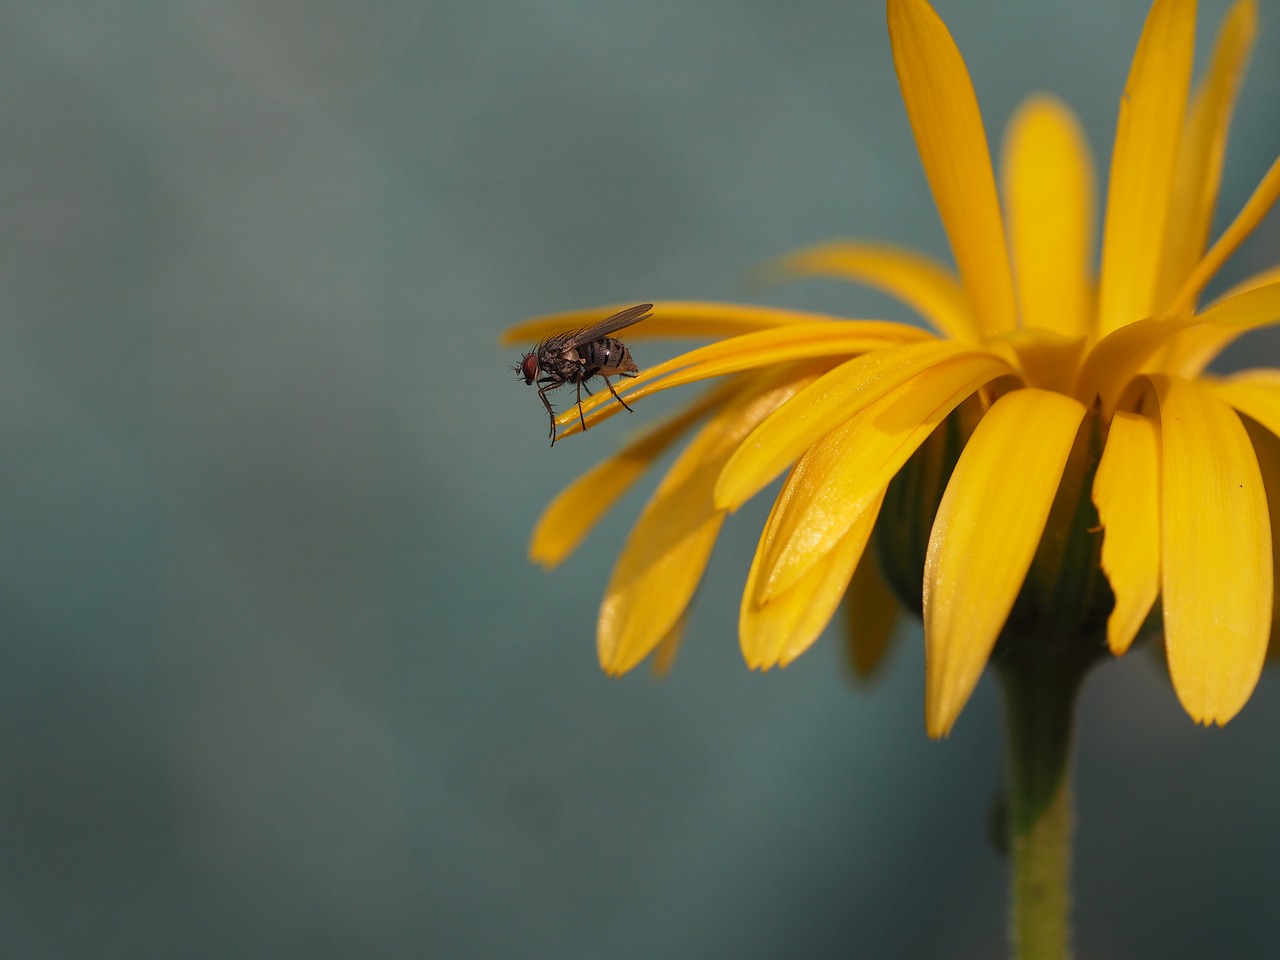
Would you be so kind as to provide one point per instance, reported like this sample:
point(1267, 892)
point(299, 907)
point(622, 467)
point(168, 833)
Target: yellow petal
point(1049, 198)
point(775, 633)
point(671, 318)
point(1254, 308)
point(1194, 349)
point(1255, 393)
point(985, 536)
point(1266, 446)
point(1221, 325)
point(1047, 360)
point(1204, 143)
point(1126, 491)
point(667, 550)
point(918, 281)
point(1142, 164)
point(664, 654)
point(765, 348)
point(1262, 278)
point(1112, 364)
point(1256, 207)
point(949, 135)
point(836, 478)
point(831, 400)
point(1216, 543)
point(870, 615)
point(577, 509)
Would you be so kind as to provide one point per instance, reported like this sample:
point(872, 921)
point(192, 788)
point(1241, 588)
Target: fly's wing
point(606, 327)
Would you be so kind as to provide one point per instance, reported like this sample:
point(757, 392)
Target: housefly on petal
point(580, 356)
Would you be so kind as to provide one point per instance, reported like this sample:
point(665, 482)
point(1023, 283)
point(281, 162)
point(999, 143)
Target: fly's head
point(528, 367)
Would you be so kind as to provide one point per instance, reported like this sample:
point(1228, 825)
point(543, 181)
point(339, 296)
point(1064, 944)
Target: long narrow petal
point(1266, 446)
point(577, 509)
point(765, 348)
point(776, 632)
point(1255, 393)
point(1142, 164)
point(1118, 357)
point(1193, 350)
point(1263, 278)
point(1049, 200)
point(1256, 207)
point(1221, 325)
point(952, 143)
point(830, 401)
point(838, 476)
point(1204, 144)
point(1126, 491)
point(984, 539)
point(1216, 543)
point(664, 653)
point(870, 615)
point(668, 548)
point(918, 281)
point(671, 318)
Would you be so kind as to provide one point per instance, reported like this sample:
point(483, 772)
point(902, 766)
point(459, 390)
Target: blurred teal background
point(278, 679)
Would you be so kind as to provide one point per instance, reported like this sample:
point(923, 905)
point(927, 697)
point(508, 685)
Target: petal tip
point(940, 717)
point(728, 494)
point(547, 560)
point(937, 730)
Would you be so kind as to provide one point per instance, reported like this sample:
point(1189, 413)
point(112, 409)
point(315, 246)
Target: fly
point(582, 355)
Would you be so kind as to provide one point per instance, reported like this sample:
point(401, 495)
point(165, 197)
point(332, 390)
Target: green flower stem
point(1039, 697)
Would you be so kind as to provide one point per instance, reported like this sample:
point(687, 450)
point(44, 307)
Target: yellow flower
point(1031, 353)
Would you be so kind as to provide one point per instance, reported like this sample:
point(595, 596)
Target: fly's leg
point(581, 419)
point(549, 384)
point(584, 375)
point(615, 394)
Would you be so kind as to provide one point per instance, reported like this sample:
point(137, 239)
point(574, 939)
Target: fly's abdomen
point(607, 356)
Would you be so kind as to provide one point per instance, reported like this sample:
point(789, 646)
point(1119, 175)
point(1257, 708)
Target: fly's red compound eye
point(529, 367)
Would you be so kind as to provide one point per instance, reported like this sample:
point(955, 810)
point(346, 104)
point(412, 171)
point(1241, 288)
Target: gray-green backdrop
point(276, 679)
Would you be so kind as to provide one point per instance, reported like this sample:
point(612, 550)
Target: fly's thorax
point(563, 365)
